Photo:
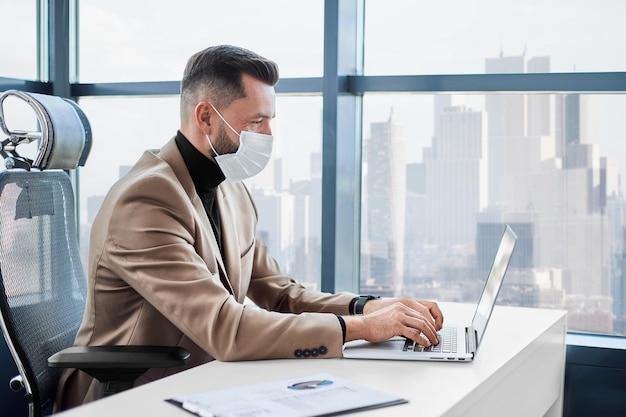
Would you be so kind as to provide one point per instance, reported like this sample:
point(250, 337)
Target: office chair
point(42, 282)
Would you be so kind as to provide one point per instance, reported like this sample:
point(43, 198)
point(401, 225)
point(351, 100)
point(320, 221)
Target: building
point(385, 189)
point(456, 175)
point(513, 115)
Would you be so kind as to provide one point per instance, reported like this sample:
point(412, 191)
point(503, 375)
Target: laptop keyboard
point(447, 342)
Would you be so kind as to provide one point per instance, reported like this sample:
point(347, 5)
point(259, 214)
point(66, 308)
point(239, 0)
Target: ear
point(202, 116)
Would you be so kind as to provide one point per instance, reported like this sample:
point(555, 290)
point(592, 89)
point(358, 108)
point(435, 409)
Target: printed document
point(314, 395)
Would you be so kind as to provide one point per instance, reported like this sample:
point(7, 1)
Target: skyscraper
point(574, 120)
point(385, 196)
point(456, 174)
point(513, 115)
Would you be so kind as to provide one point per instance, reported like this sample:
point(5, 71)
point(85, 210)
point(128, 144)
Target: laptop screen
point(494, 282)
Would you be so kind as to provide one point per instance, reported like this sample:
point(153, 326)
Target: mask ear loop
point(224, 120)
point(211, 145)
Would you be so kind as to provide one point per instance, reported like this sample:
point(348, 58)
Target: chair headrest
point(65, 133)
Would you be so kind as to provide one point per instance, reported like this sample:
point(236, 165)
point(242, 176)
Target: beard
point(223, 144)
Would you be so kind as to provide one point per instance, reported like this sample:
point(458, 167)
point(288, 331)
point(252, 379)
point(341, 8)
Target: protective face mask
point(255, 151)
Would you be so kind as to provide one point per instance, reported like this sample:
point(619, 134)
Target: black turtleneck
point(206, 176)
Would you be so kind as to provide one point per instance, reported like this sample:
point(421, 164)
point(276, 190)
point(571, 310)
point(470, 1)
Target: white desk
point(518, 371)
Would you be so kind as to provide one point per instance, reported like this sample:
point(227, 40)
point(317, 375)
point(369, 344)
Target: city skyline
point(285, 208)
point(546, 177)
point(523, 121)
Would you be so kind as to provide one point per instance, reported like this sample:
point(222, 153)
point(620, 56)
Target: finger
point(428, 309)
point(422, 329)
point(424, 311)
point(418, 337)
point(435, 312)
point(431, 334)
point(413, 323)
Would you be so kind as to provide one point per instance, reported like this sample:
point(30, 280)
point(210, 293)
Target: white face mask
point(255, 151)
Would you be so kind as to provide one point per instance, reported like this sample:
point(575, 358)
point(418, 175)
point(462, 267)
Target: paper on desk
point(313, 395)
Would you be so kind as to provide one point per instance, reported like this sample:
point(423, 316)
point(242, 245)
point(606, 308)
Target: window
point(127, 41)
point(571, 172)
point(444, 173)
point(18, 45)
point(288, 192)
point(454, 37)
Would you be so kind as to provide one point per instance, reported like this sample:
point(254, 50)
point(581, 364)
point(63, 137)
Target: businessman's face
point(253, 113)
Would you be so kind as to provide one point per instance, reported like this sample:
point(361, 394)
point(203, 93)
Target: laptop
point(456, 343)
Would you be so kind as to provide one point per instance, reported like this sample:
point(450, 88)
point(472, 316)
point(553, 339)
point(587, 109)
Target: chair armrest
point(119, 357)
point(117, 367)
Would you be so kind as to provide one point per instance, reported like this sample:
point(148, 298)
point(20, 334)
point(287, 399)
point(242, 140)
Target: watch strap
point(360, 302)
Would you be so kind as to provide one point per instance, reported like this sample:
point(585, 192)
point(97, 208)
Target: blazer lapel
point(172, 156)
point(209, 233)
point(230, 242)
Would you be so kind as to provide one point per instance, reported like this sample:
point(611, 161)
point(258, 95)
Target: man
point(173, 250)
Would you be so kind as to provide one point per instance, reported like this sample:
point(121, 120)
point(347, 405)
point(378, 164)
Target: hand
point(427, 308)
point(416, 320)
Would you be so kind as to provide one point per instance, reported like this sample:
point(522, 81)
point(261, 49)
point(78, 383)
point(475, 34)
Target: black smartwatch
point(360, 302)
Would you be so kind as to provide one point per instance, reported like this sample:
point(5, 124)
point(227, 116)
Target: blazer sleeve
point(154, 245)
point(272, 290)
point(269, 287)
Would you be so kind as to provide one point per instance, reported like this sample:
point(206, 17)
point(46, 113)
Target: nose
point(266, 127)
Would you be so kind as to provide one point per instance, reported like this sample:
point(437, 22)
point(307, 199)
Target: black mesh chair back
point(42, 281)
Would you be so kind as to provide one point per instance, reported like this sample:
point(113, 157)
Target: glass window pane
point(455, 36)
point(443, 174)
point(18, 44)
point(287, 192)
point(127, 41)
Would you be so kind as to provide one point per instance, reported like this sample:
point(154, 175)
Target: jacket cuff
point(342, 322)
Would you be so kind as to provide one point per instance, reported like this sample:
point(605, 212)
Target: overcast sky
point(123, 40)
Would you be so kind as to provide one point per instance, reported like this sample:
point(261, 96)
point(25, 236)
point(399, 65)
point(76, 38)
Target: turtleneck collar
point(205, 173)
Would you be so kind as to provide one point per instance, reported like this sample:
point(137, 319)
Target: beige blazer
point(156, 277)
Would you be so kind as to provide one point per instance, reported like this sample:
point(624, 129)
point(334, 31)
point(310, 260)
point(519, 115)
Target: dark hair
point(216, 73)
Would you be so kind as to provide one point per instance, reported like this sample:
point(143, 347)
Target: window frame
point(342, 87)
